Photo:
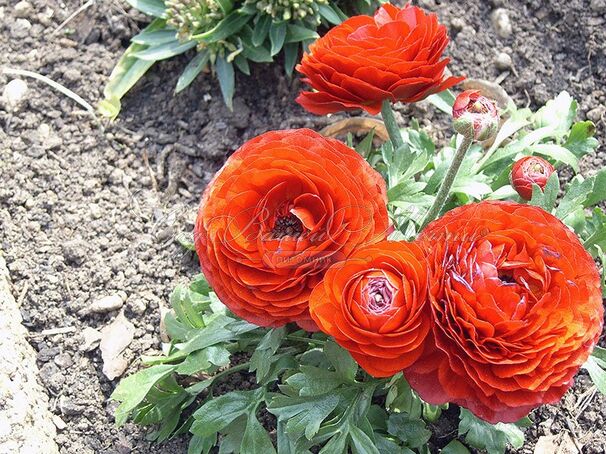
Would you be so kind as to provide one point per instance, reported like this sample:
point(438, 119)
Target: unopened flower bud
point(474, 112)
point(528, 171)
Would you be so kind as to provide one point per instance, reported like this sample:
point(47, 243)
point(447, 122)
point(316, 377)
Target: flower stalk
point(444, 190)
point(391, 125)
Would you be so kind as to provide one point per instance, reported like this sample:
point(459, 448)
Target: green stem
point(444, 191)
point(391, 125)
point(309, 340)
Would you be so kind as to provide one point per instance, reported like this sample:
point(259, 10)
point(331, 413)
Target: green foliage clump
point(227, 35)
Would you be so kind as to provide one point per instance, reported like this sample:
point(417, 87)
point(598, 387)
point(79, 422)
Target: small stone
point(14, 93)
point(117, 176)
point(501, 23)
point(20, 28)
point(137, 306)
point(503, 61)
point(95, 211)
point(63, 360)
point(74, 251)
point(23, 9)
point(59, 423)
point(91, 338)
point(48, 353)
point(68, 407)
point(457, 23)
point(109, 303)
point(596, 113)
point(599, 6)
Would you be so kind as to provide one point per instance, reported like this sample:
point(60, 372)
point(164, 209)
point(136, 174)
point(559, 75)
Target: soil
point(87, 211)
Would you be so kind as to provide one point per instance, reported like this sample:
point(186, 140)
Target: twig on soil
point(60, 88)
point(53, 331)
point(22, 294)
point(71, 16)
point(573, 434)
point(151, 172)
point(584, 401)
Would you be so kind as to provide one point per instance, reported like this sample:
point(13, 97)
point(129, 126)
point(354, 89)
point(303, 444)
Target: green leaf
point(360, 442)
point(336, 445)
point(201, 445)
point(303, 415)
point(164, 51)
point(261, 29)
point(226, 5)
point(155, 8)
point(557, 114)
point(277, 35)
point(581, 141)
point(364, 148)
point(313, 381)
point(455, 447)
point(242, 64)
point(191, 71)
point(291, 54)
point(296, 33)
point(256, 439)
point(125, 74)
point(260, 360)
point(217, 413)
point(411, 431)
point(574, 197)
point(598, 192)
point(154, 38)
point(546, 198)
point(229, 26)
point(200, 285)
point(225, 74)
point(443, 101)
point(329, 14)
point(131, 391)
point(258, 54)
point(181, 302)
point(557, 153)
point(342, 361)
point(202, 360)
point(483, 435)
point(401, 398)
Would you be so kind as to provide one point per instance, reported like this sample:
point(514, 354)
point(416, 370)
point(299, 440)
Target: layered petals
point(517, 309)
point(284, 207)
point(395, 55)
point(374, 304)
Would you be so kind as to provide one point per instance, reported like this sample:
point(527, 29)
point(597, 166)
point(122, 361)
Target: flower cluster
point(290, 9)
point(495, 306)
point(187, 16)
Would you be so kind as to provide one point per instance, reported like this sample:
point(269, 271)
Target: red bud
point(471, 110)
point(527, 171)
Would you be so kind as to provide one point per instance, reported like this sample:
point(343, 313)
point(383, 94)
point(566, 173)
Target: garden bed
point(87, 212)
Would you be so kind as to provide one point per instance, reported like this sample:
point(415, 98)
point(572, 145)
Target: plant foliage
point(226, 34)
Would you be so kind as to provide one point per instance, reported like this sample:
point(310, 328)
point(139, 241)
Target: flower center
point(379, 294)
point(288, 225)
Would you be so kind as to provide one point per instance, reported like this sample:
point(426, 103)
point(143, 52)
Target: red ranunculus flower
point(528, 171)
point(374, 304)
point(517, 309)
point(283, 208)
point(394, 55)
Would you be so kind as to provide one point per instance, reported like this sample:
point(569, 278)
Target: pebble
point(596, 113)
point(74, 252)
point(137, 306)
point(503, 61)
point(599, 6)
point(14, 93)
point(457, 23)
point(501, 23)
point(20, 28)
point(47, 353)
point(109, 303)
point(63, 360)
point(23, 10)
point(91, 338)
point(68, 407)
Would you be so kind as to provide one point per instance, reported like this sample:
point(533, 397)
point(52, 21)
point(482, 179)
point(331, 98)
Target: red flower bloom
point(374, 305)
point(283, 208)
point(527, 171)
point(474, 111)
point(394, 55)
point(517, 309)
